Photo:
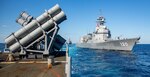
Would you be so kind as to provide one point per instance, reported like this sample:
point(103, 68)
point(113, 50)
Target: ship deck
point(33, 68)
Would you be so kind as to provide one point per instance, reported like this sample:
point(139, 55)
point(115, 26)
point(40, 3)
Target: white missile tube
point(38, 32)
point(24, 19)
point(26, 16)
point(21, 21)
point(33, 24)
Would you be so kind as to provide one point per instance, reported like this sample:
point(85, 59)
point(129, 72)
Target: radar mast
point(101, 20)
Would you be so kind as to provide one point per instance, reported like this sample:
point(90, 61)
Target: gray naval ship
point(101, 39)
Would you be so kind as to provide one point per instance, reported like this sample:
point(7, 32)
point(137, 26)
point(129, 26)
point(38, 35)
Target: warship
point(69, 41)
point(101, 39)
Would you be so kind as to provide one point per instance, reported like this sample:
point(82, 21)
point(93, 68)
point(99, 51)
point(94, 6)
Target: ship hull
point(124, 44)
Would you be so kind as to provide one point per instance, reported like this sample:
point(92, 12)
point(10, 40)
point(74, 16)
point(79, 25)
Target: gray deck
point(33, 69)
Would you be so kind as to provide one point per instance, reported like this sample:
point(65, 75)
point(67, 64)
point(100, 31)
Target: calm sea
point(100, 63)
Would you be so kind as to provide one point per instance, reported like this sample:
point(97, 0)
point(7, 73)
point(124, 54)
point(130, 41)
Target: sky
point(126, 18)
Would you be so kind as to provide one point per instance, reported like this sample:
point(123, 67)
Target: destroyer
point(101, 39)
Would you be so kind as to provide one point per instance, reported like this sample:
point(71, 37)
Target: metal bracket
point(49, 45)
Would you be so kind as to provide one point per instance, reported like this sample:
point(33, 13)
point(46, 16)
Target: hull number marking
point(123, 43)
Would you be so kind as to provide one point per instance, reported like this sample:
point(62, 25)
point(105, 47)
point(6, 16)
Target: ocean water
point(100, 63)
point(2, 46)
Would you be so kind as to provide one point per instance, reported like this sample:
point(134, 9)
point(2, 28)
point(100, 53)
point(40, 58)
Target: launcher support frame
point(48, 40)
